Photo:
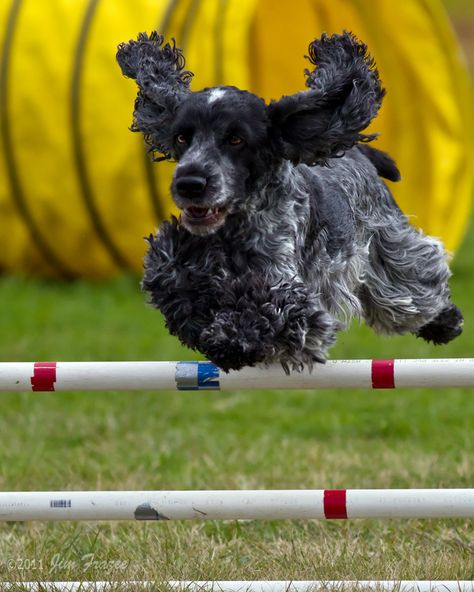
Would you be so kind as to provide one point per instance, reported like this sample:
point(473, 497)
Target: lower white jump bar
point(250, 586)
point(91, 376)
point(325, 586)
point(237, 505)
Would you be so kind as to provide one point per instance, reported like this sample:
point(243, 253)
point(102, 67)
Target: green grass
point(263, 439)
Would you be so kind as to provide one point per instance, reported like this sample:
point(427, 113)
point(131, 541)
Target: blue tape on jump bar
point(197, 376)
point(208, 376)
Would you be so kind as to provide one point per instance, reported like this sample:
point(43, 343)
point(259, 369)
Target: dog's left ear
point(345, 95)
point(162, 81)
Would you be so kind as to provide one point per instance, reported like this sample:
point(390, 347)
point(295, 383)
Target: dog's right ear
point(344, 96)
point(162, 82)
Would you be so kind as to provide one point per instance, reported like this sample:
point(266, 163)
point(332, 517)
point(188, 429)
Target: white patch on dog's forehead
point(215, 94)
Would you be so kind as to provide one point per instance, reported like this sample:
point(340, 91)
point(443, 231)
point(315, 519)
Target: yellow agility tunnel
point(77, 190)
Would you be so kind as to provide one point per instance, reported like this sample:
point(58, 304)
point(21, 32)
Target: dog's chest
point(265, 243)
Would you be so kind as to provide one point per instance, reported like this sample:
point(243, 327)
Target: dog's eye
point(181, 139)
point(234, 140)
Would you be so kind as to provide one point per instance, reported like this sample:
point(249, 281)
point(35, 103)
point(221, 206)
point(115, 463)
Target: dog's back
point(343, 193)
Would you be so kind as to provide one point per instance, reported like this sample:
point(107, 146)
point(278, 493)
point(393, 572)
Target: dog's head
point(228, 142)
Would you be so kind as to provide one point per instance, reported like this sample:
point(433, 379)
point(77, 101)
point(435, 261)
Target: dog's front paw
point(237, 339)
point(447, 325)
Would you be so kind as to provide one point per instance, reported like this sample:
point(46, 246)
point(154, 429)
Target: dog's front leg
point(180, 286)
point(308, 330)
point(260, 323)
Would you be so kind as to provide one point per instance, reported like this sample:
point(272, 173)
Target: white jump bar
point(249, 586)
point(237, 505)
point(94, 376)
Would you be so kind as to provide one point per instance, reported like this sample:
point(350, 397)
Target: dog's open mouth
point(203, 216)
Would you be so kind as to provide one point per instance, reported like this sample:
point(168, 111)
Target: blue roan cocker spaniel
point(286, 228)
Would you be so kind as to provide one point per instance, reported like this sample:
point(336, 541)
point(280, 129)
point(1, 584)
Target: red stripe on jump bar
point(44, 376)
point(383, 374)
point(335, 503)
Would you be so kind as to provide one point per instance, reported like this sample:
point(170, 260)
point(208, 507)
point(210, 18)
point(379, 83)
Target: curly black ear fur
point(345, 95)
point(162, 81)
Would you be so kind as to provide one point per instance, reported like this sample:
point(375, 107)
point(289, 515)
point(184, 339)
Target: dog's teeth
point(209, 211)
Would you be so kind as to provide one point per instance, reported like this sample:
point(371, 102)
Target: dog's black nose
point(190, 186)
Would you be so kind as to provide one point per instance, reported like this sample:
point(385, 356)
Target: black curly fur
point(162, 80)
point(345, 95)
point(259, 322)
